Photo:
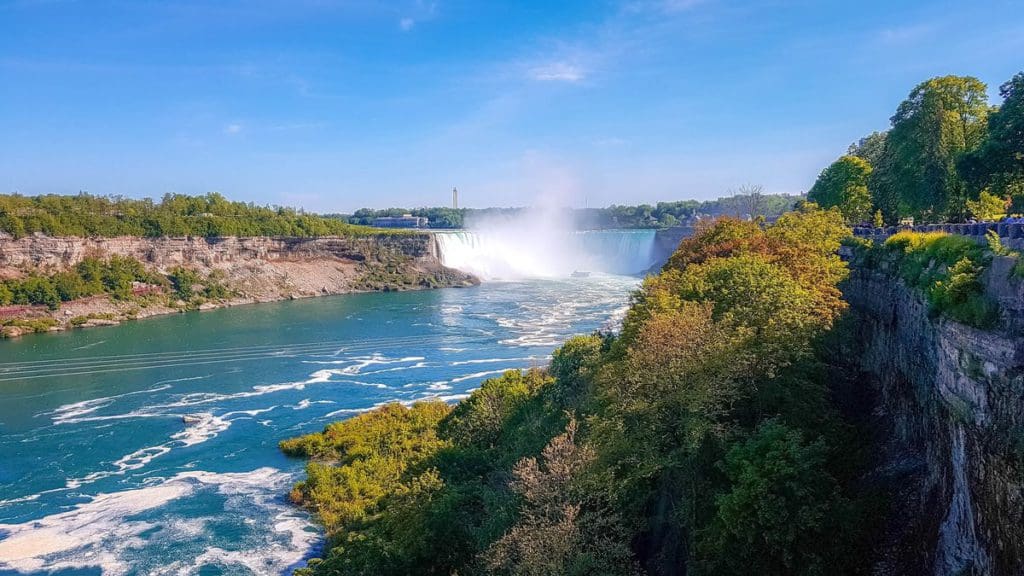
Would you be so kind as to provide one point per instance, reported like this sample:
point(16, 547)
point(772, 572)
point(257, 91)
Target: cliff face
point(255, 269)
point(666, 241)
point(54, 253)
point(949, 411)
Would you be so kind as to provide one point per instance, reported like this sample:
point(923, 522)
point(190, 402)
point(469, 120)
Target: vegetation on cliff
point(948, 156)
point(119, 277)
point(946, 268)
point(702, 439)
point(174, 215)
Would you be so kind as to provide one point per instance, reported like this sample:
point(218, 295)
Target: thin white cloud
point(680, 5)
point(233, 128)
point(906, 34)
point(663, 6)
point(557, 72)
point(406, 24)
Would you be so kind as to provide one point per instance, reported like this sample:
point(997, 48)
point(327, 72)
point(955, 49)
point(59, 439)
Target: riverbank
point(245, 271)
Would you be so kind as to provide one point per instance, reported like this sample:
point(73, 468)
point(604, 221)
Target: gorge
point(942, 400)
point(948, 400)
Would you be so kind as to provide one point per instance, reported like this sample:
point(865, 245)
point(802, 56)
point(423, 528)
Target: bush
point(35, 290)
point(948, 269)
point(90, 277)
point(182, 280)
point(34, 324)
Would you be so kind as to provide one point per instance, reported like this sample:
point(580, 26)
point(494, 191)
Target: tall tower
point(455, 198)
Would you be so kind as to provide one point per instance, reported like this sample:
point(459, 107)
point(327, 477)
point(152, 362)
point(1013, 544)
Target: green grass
point(34, 324)
point(947, 268)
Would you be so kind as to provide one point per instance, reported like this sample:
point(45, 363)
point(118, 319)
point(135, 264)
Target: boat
point(580, 274)
point(193, 418)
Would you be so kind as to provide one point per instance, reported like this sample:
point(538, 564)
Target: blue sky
point(337, 104)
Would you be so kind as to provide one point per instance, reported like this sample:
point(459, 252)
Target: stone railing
point(1011, 234)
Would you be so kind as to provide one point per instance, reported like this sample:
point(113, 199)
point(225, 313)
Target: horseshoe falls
point(509, 253)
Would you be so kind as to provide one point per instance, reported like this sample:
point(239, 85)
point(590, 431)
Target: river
point(98, 469)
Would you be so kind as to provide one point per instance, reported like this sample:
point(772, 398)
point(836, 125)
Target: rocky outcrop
point(258, 269)
point(54, 253)
point(950, 415)
point(666, 241)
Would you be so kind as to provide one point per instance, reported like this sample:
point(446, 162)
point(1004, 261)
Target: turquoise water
point(100, 475)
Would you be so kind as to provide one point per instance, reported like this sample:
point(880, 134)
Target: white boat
point(193, 418)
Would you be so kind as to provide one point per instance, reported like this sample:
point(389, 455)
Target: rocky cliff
point(666, 240)
point(52, 253)
point(256, 269)
point(949, 413)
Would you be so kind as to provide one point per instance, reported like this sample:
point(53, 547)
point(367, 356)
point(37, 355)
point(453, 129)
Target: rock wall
point(950, 412)
point(666, 241)
point(252, 269)
point(55, 253)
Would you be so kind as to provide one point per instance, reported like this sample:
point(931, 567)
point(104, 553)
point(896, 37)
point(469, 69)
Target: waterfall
point(959, 551)
point(529, 253)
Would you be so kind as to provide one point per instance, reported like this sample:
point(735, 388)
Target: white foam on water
point(480, 375)
point(452, 397)
point(401, 368)
point(21, 499)
point(73, 412)
point(47, 543)
point(367, 361)
point(206, 428)
point(491, 360)
point(306, 403)
point(350, 411)
point(101, 532)
point(249, 413)
point(367, 384)
point(90, 345)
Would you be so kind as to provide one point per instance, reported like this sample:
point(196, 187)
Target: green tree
point(573, 364)
point(6, 296)
point(844, 185)
point(878, 220)
point(870, 148)
point(988, 207)
point(183, 280)
point(556, 534)
point(37, 290)
point(942, 119)
point(998, 163)
point(782, 515)
point(70, 285)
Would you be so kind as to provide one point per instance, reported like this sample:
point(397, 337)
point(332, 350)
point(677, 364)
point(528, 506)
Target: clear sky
point(337, 104)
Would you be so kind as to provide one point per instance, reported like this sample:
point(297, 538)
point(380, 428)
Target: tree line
point(209, 215)
point(947, 156)
point(702, 439)
point(746, 201)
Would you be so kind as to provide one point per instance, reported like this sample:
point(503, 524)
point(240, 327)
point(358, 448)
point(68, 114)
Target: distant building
point(403, 221)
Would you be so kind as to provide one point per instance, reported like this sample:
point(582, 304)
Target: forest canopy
point(174, 215)
point(747, 201)
point(948, 156)
point(702, 439)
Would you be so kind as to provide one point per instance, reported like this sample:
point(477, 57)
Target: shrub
point(948, 269)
